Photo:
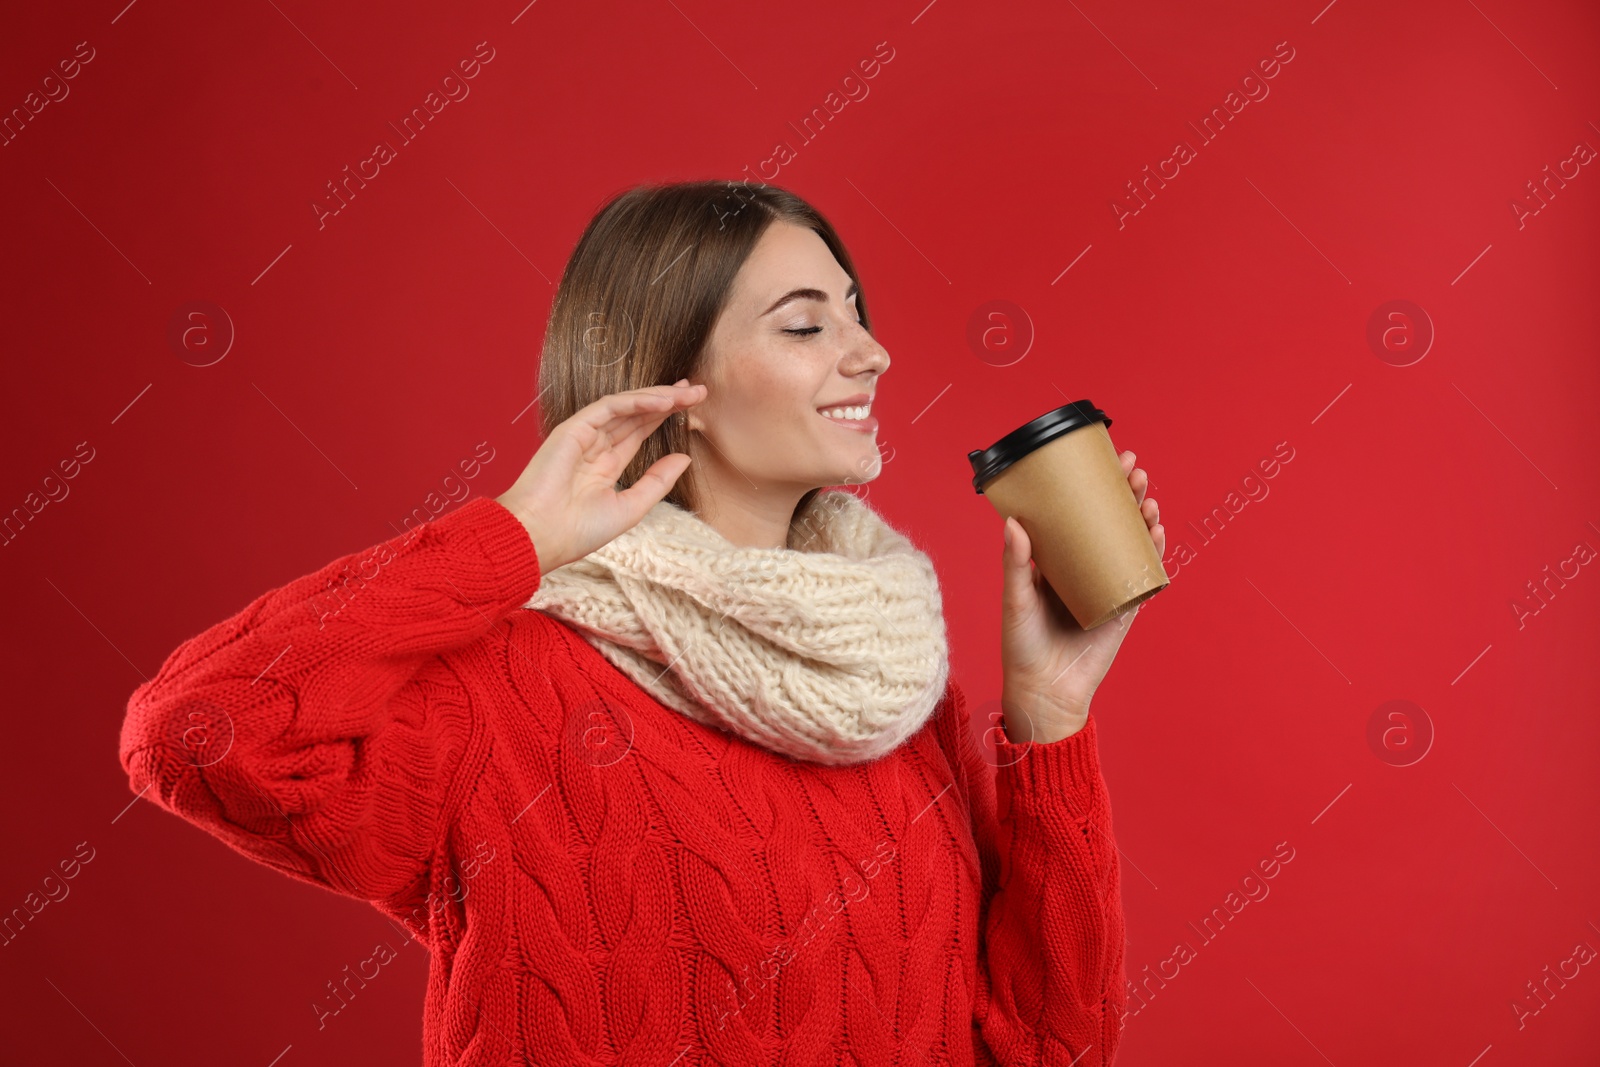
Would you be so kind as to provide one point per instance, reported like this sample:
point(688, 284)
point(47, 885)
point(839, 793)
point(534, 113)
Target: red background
point(1229, 315)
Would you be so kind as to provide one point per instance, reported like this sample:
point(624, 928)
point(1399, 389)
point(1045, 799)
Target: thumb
point(1018, 571)
point(653, 485)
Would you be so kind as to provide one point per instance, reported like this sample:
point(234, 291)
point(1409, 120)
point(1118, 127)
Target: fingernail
point(1008, 534)
point(681, 381)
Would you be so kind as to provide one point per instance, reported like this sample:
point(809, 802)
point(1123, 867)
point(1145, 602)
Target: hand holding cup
point(1051, 665)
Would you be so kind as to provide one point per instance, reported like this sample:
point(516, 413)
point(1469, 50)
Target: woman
point(657, 751)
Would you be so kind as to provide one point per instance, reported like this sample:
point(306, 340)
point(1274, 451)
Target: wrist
point(542, 546)
point(1040, 720)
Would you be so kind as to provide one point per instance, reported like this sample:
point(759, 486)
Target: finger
point(653, 485)
point(636, 414)
point(597, 425)
point(1151, 511)
point(628, 430)
point(618, 405)
point(653, 412)
point(1158, 534)
point(1020, 552)
point(1017, 563)
point(631, 402)
point(621, 444)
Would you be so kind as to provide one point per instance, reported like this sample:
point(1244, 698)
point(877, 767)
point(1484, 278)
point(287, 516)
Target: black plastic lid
point(988, 462)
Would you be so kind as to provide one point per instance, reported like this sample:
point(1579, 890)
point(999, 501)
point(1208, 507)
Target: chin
point(846, 466)
point(865, 469)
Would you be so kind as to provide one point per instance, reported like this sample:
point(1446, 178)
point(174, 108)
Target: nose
point(864, 355)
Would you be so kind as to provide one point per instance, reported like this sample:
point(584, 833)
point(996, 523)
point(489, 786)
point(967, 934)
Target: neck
point(750, 520)
point(747, 514)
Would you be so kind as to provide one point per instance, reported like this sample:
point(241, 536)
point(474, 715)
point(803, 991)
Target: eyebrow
point(808, 294)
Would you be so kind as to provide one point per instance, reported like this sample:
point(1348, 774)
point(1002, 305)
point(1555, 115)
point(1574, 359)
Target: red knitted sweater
point(601, 880)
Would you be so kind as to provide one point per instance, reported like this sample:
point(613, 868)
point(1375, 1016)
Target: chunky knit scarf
point(831, 651)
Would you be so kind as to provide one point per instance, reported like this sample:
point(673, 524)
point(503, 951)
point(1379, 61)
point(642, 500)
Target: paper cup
point(1060, 477)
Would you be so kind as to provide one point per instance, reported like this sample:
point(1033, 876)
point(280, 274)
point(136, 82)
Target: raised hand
point(567, 497)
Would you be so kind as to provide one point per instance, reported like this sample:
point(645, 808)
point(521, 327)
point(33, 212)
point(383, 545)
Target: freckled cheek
point(766, 411)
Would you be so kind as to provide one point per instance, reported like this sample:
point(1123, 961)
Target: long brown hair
point(642, 291)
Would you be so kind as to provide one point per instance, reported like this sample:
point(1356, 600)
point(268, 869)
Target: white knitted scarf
point(831, 651)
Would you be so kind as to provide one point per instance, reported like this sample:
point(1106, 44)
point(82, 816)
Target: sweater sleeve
point(1051, 983)
point(299, 731)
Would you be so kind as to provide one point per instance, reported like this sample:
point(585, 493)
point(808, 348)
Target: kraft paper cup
point(1060, 477)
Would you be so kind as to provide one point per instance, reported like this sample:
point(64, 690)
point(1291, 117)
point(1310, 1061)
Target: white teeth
point(855, 413)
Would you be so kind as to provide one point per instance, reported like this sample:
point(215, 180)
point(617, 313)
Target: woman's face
point(787, 348)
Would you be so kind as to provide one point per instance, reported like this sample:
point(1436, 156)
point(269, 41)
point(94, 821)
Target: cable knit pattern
point(640, 888)
point(834, 652)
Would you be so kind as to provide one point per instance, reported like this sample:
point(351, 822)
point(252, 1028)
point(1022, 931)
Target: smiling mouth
point(854, 417)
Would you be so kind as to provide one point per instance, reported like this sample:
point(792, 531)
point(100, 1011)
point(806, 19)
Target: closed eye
point(810, 330)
